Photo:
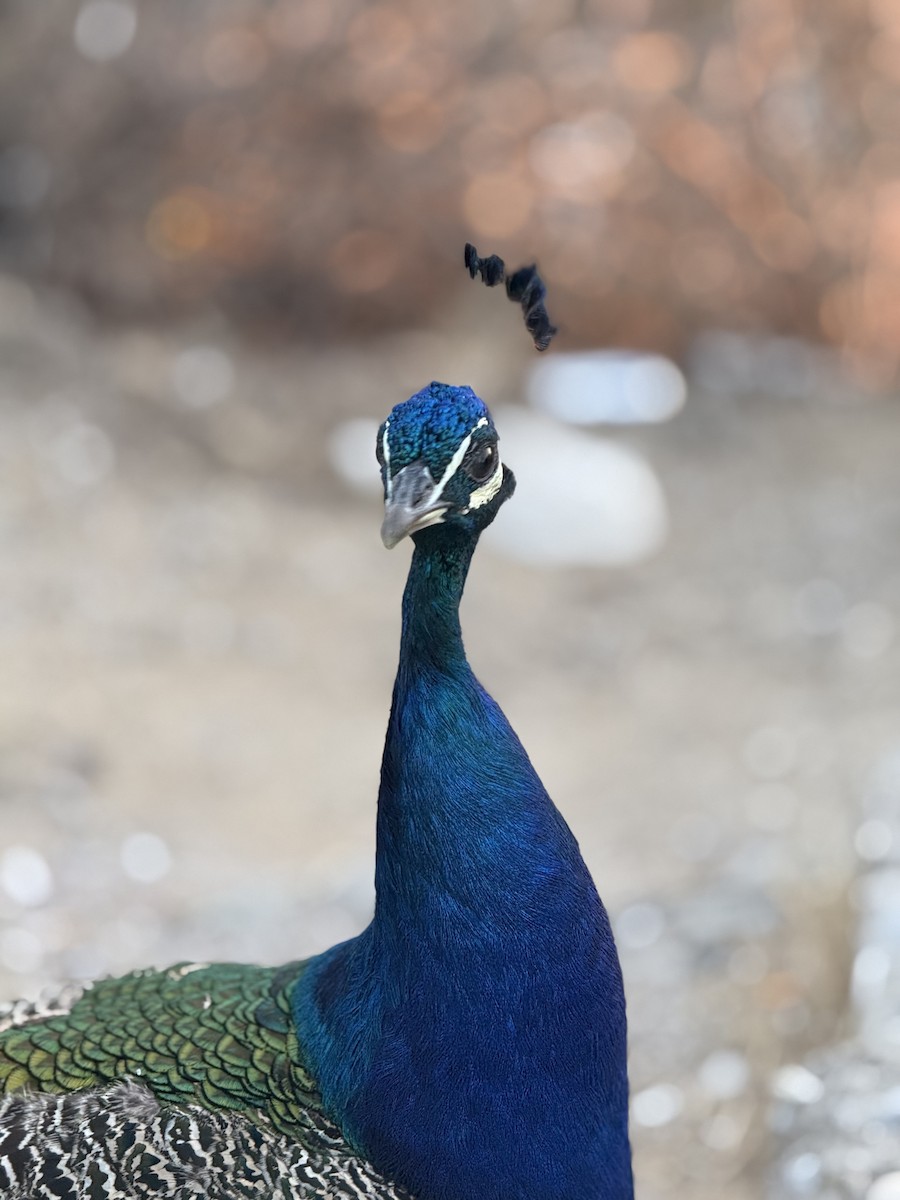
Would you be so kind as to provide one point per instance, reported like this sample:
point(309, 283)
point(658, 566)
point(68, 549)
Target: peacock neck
point(489, 961)
point(463, 820)
point(431, 638)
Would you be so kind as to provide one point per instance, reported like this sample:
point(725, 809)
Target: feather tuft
point(524, 286)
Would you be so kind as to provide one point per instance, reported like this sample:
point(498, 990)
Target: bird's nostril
point(421, 492)
point(412, 486)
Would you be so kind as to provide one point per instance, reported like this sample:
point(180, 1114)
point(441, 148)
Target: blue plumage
point(471, 1041)
point(431, 424)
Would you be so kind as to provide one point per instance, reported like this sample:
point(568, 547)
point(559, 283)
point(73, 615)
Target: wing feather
point(187, 1082)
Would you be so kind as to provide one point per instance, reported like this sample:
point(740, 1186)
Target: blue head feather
point(471, 1042)
point(431, 424)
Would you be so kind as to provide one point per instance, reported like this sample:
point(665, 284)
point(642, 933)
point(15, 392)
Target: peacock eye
point(482, 463)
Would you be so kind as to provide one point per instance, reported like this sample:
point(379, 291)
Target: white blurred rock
point(615, 387)
point(797, 1084)
point(25, 876)
point(803, 1172)
point(871, 969)
point(885, 1188)
point(579, 501)
point(724, 1074)
point(657, 1105)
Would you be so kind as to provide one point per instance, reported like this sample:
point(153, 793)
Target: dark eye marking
point(481, 462)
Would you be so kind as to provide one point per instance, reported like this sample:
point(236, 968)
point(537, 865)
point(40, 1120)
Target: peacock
point(469, 1044)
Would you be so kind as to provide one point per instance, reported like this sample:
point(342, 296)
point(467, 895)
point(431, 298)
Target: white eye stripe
point(386, 455)
point(452, 467)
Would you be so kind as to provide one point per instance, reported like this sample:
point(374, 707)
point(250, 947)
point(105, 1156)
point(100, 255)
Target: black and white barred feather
point(120, 1143)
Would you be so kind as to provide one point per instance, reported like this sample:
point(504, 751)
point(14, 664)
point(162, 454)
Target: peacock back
point(185, 1082)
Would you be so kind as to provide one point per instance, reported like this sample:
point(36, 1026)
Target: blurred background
point(230, 240)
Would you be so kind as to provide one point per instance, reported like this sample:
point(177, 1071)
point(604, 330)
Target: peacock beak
point(412, 502)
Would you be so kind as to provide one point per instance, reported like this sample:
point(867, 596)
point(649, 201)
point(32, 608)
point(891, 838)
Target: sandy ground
point(198, 631)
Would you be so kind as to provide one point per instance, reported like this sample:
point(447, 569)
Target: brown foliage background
point(312, 167)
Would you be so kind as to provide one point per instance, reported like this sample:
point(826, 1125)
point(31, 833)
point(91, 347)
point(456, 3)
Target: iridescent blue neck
point(431, 639)
point(471, 1042)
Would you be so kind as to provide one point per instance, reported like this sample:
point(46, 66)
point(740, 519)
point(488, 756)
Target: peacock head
point(440, 464)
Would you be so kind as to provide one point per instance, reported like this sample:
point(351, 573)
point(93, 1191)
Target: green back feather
point(218, 1036)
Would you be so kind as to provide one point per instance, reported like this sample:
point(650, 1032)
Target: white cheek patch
point(487, 491)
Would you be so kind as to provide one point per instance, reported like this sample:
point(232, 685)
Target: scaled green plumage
point(218, 1036)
